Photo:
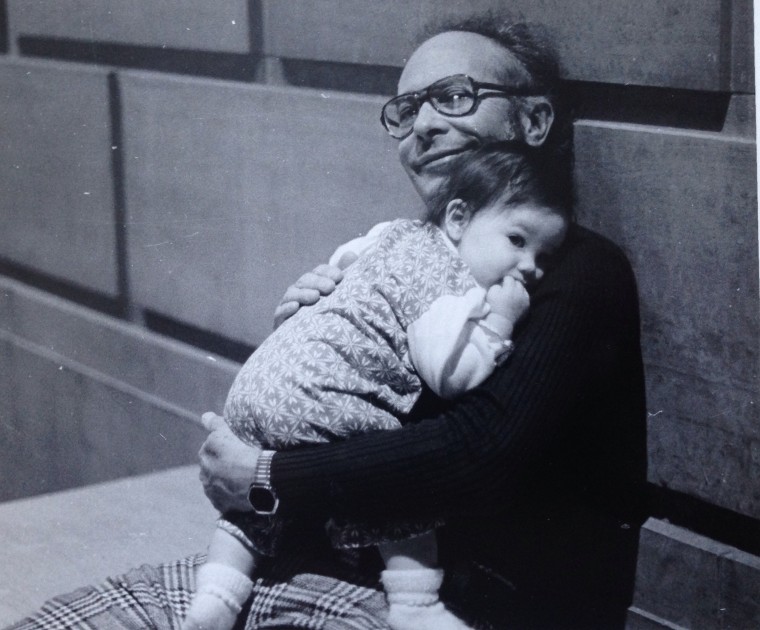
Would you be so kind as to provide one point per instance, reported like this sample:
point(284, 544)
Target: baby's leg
point(411, 581)
point(223, 584)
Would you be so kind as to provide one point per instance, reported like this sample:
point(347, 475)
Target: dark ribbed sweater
point(574, 381)
point(561, 423)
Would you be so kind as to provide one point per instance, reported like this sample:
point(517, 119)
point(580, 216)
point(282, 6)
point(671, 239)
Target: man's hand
point(227, 466)
point(306, 291)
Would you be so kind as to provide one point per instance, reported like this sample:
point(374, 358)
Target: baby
point(430, 302)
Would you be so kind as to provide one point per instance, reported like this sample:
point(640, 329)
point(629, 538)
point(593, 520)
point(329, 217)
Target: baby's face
point(516, 241)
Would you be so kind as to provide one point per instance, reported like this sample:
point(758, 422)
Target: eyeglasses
point(454, 96)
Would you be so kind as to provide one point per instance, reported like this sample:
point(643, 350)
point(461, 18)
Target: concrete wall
point(170, 170)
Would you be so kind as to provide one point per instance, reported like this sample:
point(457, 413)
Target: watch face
point(262, 500)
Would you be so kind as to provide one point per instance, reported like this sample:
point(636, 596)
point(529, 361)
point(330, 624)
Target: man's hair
point(529, 43)
point(509, 173)
point(537, 68)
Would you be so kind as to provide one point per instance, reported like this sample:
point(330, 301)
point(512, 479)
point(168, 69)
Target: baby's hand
point(508, 300)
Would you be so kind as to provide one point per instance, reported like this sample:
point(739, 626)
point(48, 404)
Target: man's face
point(437, 141)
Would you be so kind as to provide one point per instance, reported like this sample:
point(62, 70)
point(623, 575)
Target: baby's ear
point(456, 219)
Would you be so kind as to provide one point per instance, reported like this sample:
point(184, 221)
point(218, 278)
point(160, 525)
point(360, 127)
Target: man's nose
point(428, 121)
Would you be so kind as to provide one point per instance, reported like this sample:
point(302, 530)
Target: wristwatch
point(261, 494)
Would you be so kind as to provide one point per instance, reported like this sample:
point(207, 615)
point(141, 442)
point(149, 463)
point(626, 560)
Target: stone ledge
point(684, 580)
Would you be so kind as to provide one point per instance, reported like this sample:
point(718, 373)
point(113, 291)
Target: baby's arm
point(223, 584)
point(456, 344)
point(509, 301)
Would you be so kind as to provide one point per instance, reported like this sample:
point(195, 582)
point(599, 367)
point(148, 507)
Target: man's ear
point(536, 119)
point(456, 219)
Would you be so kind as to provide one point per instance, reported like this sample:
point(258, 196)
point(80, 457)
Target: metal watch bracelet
point(261, 495)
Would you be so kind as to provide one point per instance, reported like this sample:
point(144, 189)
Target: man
point(561, 425)
point(535, 471)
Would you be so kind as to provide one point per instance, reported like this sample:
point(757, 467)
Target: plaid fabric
point(146, 597)
point(286, 595)
point(307, 586)
point(316, 602)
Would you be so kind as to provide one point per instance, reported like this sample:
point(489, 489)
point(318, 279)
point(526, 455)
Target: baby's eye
point(517, 240)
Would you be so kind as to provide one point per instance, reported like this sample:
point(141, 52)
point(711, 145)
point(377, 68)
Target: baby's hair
point(507, 171)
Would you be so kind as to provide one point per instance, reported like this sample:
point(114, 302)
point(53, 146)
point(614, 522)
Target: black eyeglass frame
point(424, 95)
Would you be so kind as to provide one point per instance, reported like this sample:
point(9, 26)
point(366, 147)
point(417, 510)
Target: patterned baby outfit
point(352, 363)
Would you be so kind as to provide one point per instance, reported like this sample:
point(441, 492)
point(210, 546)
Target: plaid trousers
point(158, 597)
point(308, 585)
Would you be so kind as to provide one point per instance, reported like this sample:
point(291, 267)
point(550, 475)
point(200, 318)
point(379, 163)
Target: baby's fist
point(509, 299)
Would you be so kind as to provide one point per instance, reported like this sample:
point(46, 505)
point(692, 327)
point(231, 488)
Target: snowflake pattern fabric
point(342, 367)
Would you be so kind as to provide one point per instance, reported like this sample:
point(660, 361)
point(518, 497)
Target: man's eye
point(405, 111)
point(453, 98)
point(517, 240)
point(451, 94)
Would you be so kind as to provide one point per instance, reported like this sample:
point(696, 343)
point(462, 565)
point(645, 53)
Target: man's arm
point(492, 434)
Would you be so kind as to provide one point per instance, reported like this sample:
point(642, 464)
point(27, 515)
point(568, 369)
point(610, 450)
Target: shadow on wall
point(231, 66)
point(3, 27)
point(636, 104)
point(343, 77)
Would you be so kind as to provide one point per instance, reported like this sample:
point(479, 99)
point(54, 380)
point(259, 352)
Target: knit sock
point(220, 596)
point(413, 601)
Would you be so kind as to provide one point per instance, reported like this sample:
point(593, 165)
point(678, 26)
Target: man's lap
point(157, 597)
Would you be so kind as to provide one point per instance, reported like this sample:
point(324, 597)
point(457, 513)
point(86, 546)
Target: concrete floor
point(57, 542)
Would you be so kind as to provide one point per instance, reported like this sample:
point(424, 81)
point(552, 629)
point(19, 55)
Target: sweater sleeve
point(473, 452)
point(451, 347)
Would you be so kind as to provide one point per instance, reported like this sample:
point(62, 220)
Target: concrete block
point(56, 189)
point(58, 542)
point(742, 47)
point(638, 619)
point(672, 44)
point(66, 426)
point(86, 398)
point(684, 580)
point(684, 206)
point(234, 191)
point(719, 466)
point(221, 26)
point(184, 376)
point(741, 116)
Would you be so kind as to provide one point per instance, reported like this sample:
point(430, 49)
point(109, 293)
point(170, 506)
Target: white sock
point(219, 598)
point(413, 601)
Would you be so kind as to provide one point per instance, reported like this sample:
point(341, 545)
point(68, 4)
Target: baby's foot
point(413, 601)
point(208, 612)
point(222, 591)
point(434, 617)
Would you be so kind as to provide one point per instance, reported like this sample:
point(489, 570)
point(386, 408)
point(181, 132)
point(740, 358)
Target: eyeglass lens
point(452, 96)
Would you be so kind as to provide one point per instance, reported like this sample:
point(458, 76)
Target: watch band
point(261, 496)
point(263, 471)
